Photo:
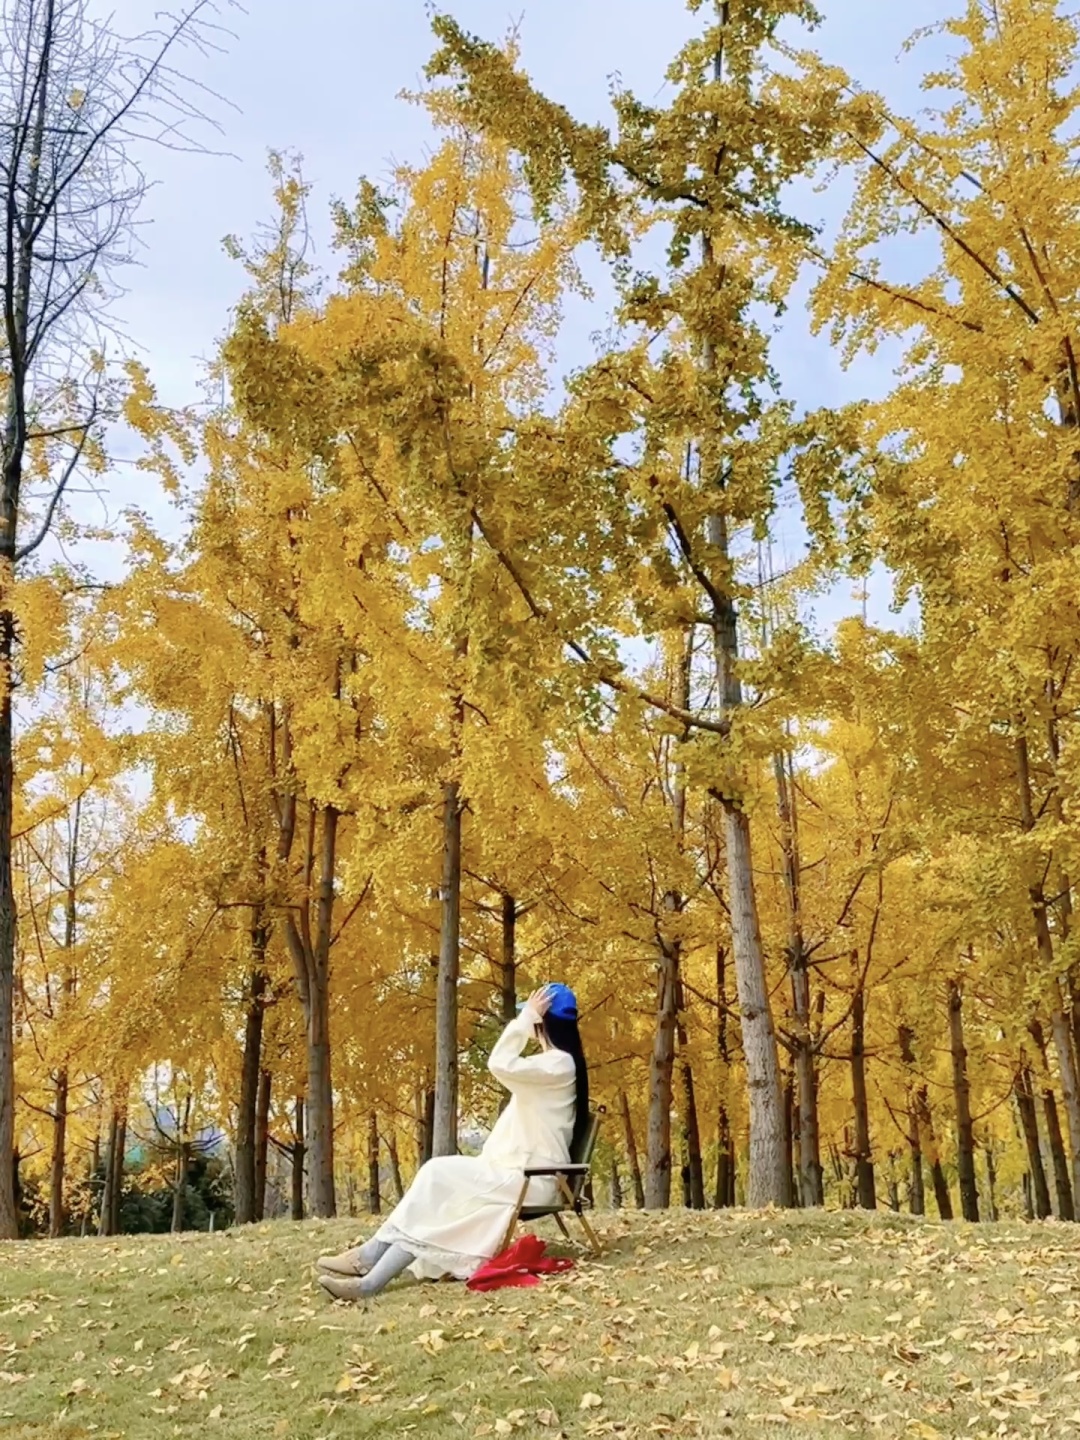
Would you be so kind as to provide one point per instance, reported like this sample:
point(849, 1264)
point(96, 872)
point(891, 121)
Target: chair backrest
point(582, 1152)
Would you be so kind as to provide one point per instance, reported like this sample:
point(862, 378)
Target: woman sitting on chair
point(458, 1210)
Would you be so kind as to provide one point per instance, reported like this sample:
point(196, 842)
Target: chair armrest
point(557, 1170)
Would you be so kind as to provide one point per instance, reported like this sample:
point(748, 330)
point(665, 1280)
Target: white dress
point(456, 1212)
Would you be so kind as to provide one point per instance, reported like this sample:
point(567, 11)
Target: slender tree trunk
point(374, 1200)
point(691, 1130)
point(615, 1183)
point(57, 1159)
point(427, 1124)
point(320, 1091)
point(991, 1184)
point(864, 1162)
point(811, 1175)
point(725, 1145)
point(965, 1140)
point(299, 1156)
point(262, 1143)
point(250, 1074)
point(183, 1160)
point(1059, 1159)
point(942, 1198)
point(106, 1215)
point(395, 1163)
point(632, 1152)
point(1038, 1190)
point(1059, 1022)
point(508, 965)
point(661, 1065)
point(117, 1166)
point(445, 1134)
point(918, 1187)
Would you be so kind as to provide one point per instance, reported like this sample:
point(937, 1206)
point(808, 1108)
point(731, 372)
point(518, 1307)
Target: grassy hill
point(711, 1325)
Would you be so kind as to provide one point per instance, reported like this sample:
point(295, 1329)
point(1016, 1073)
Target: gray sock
point(371, 1252)
point(387, 1268)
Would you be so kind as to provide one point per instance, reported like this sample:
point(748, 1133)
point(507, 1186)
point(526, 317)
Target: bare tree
point(78, 101)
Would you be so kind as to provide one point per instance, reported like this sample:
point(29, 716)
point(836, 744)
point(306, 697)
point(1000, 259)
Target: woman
point(457, 1211)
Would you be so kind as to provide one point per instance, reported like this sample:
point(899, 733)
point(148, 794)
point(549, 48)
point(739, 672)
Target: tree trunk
point(374, 1200)
point(864, 1161)
point(395, 1164)
point(508, 965)
point(9, 1220)
point(811, 1175)
point(942, 1198)
point(299, 1155)
point(1062, 1185)
point(725, 1146)
point(106, 1215)
point(320, 1088)
point(965, 1140)
point(247, 1122)
point(691, 1131)
point(262, 1143)
point(1059, 1021)
point(56, 1164)
point(1038, 1191)
point(918, 1187)
point(183, 1160)
point(117, 1165)
point(661, 1065)
point(427, 1124)
point(445, 1131)
point(632, 1152)
point(991, 1183)
point(615, 1183)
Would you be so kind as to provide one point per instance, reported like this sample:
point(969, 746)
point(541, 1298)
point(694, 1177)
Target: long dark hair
point(565, 1035)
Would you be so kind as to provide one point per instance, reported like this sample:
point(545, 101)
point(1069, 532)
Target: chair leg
point(562, 1225)
point(597, 1248)
point(515, 1217)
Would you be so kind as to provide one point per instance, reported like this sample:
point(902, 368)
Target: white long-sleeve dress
point(456, 1212)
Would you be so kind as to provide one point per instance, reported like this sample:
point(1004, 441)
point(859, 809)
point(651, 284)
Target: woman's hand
point(540, 1000)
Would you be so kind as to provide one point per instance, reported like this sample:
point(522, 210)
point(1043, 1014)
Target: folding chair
point(571, 1180)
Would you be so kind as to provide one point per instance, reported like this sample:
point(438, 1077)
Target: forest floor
point(797, 1324)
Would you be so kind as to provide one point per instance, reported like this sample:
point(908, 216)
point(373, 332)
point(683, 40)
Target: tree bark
point(1062, 1184)
point(262, 1143)
point(57, 1158)
point(965, 1140)
point(183, 1160)
point(106, 1216)
point(395, 1164)
point(374, 1197)
point(445, 1124)
point(918, 1186)
point(942, 1198)
point(117, 1168)
point(250, 1075)
point(864, 1162)
point(724, 1196)
point(632, 1152)
point(508, 964)
point(1059, 1021)
point(691, 1130)
point(661, 1064)
point(991, 1184)
point(811, 1175)
point(1038, 1190)
point(299, 1156)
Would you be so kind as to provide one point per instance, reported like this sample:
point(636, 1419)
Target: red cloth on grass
point(522, 1264)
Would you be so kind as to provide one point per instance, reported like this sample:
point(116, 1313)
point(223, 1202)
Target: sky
point(322, 78)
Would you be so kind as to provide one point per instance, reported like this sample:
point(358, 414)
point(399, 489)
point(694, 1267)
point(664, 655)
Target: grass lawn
point(709, 1325)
